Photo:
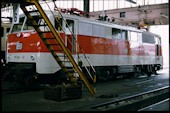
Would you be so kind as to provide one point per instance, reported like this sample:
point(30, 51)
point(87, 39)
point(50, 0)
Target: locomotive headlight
point(19, 46)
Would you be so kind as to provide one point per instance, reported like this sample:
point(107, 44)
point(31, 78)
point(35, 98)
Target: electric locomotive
point(112, 49)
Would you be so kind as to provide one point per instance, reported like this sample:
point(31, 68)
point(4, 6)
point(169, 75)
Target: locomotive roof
point(98, 22)
point(84, 19)
point(102, 23)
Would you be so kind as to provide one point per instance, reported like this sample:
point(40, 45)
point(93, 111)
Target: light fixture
point(131, 1)
point(163, 15)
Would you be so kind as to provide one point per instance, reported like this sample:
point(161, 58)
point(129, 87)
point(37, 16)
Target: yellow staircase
point(61, 47)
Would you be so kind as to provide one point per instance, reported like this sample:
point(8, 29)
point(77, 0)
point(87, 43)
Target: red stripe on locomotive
point(90, 45)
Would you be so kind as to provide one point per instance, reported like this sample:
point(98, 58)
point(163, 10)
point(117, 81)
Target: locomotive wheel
point(100, 72)
point(113, 72)
point(105, 75)
point(149, 74)
point(149, 70)
point(138, 71)
point(22, 79)
point(17, 84)
point(128, 75)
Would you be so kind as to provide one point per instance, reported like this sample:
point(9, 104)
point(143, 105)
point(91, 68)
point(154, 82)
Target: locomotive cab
point(28, 57)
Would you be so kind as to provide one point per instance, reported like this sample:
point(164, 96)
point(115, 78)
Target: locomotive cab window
point(124, 34)
point(24, 24)
point(148, 39)
point(28, 25)
point(70, 26)
point(116, 33)
point(58, 24)
point(43, 26)
point(17, 27)
point(133, 36)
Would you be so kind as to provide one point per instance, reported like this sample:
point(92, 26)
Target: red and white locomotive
point(112, 49)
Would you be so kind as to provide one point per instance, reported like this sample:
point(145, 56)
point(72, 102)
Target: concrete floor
point(111, 90)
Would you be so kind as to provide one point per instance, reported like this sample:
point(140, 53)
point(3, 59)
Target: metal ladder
point(58, 46)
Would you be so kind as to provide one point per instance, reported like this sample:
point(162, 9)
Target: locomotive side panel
point(122, 49)
point(129, 50)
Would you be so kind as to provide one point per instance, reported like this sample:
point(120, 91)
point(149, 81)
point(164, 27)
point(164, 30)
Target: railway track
point(134, 102)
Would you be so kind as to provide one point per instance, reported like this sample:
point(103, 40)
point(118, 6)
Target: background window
point(122, 14)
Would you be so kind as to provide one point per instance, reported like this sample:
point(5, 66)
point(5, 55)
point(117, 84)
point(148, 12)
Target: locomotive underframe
point(25, 73)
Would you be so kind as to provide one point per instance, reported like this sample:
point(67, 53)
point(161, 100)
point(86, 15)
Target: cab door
point(71, 34)
point(158, 47)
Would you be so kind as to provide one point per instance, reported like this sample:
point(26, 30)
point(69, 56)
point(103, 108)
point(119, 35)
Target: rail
point(134, 102)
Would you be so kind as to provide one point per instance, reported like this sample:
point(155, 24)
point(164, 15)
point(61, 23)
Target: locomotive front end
point(27, 55)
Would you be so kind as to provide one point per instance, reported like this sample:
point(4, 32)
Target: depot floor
point(111, 90)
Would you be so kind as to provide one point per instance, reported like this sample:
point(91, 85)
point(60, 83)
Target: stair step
point(48, 38)
point(44, 31)
point(28, 4)
point(52, 45)
point(40, 25)
point(33, 11)
point(66, 61)
point(56, 50)
point(35, 17)
point(61, 55)
point(70, 70)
